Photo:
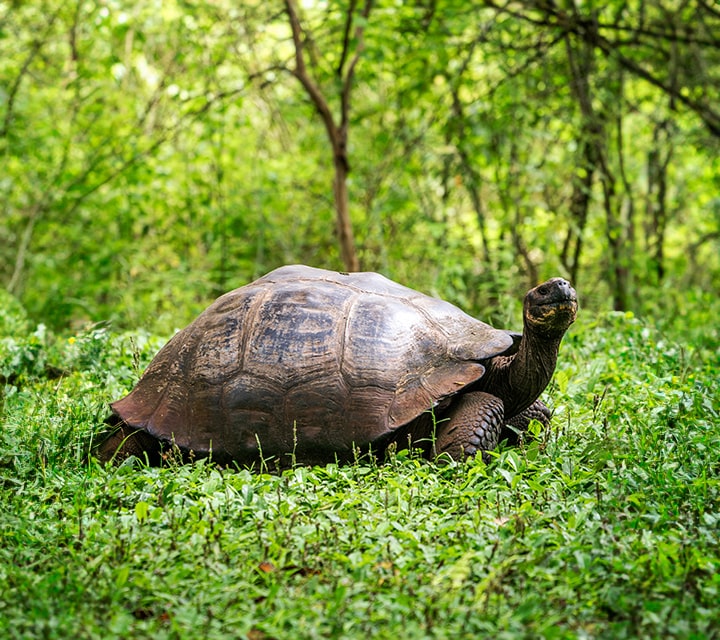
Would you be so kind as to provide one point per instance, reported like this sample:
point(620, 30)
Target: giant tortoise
point(311, 366)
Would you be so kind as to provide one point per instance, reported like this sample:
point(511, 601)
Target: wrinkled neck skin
point(519, 379)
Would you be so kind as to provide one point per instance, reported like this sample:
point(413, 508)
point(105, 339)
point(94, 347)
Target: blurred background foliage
point(155, 154)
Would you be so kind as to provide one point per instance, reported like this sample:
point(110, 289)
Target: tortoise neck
point(519, 379)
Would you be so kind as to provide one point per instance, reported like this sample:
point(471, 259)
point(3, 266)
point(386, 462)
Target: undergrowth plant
point(605, 525)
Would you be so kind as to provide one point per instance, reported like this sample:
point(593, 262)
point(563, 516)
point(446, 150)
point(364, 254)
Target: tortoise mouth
point(567, 304)
point(552, 305)
point(558, 314)
point(560, 307)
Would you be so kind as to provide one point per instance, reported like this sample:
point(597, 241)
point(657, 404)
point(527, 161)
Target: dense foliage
point(605, 526)
point(154, 154)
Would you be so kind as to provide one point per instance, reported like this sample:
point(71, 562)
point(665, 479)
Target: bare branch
point(302, 74)
point(347, 82)
point(346, 38)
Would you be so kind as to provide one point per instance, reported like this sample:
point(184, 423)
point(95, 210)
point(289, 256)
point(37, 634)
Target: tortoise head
point(550, 308)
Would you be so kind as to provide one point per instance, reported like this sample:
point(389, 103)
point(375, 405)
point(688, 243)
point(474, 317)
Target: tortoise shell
point(309, 362)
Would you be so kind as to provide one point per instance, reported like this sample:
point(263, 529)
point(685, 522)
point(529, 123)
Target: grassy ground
point(605, 526)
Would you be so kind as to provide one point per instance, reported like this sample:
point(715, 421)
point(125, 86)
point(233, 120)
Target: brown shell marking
point(310, 361)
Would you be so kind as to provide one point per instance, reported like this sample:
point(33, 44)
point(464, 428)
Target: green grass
point(605, 526)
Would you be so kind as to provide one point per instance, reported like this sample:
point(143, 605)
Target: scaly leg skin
point(473, 425)
point(517, 426)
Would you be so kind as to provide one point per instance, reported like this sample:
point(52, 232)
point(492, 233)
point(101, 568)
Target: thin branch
point(710, 236)
point(25, 239)
point(15, 87)
point(168, 134)
point(346, 38)
point(588, 30)
point(347, 83)
point(712, 10)
point(707, 115)
point(301, 73)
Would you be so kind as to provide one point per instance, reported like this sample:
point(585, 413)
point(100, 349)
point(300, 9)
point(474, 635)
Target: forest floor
point(606, 525)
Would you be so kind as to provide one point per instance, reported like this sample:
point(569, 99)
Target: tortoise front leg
point(514, 428)
point(473, 424)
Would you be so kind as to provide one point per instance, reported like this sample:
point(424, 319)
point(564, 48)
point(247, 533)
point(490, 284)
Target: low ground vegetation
point(604, 526)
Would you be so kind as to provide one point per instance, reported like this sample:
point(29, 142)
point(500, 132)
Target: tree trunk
point(594, 137)
point(579, 209)
point(342, 211)
point(659, 159)
point(337, 133)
